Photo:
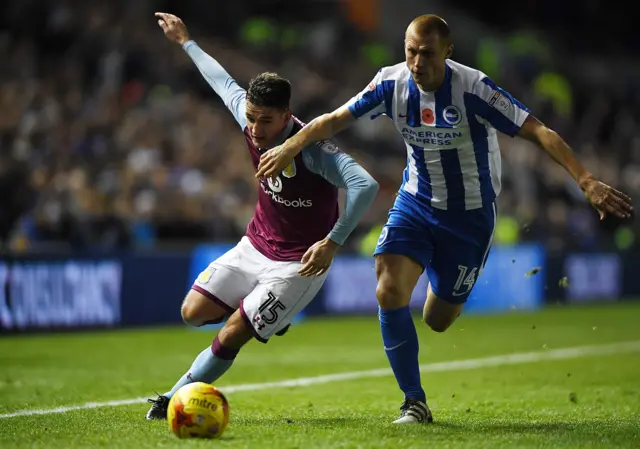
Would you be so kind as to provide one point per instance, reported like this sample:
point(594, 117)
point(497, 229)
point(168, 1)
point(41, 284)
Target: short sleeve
point(374, 100)
point(498, 107)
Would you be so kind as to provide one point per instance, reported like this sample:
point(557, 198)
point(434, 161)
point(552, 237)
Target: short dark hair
point(269, 90)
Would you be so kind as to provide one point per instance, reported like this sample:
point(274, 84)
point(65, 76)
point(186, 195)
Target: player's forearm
point(321, 128)
point(217, 77)
point(562, 153)
point(361, 191)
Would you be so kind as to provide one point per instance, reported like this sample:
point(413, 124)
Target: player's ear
point(450, 51)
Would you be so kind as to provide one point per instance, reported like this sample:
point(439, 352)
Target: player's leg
point(199, 310)
point(403, 250)
point(216, 359)
point(211, 363)
point(224, 278)
point(439, 313)
point(459, 256)
point(452, 275)
point(217, 291)
point(266, 310)
point(215, 294)
point(280, 296)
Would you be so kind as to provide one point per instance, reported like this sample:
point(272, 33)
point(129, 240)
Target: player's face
point(426, 58)
point(265, 124)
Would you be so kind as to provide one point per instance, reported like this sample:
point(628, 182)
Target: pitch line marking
point(438, 367)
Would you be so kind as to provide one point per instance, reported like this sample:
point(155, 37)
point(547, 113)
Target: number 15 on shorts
point(466, 280)
point(272, 305)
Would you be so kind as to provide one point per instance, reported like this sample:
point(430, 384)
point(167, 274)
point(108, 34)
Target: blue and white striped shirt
point(453, 158)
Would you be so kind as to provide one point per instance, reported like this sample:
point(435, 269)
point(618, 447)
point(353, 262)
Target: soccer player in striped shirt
point(445, 213)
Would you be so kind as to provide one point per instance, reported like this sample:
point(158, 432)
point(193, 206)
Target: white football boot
point(414, 412)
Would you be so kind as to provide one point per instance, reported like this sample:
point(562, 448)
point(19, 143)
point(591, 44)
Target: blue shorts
point(451, 245)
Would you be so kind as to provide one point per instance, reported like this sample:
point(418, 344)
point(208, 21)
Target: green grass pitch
point(591, 400)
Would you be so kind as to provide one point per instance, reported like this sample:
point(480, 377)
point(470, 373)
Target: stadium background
point(122, 174)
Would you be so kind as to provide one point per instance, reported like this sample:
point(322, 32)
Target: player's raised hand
point(272, 162)
point(318, 258)
point(173, 27)
point(607, 200)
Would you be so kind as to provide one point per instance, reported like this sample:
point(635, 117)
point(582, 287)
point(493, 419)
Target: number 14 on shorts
point(466, 280)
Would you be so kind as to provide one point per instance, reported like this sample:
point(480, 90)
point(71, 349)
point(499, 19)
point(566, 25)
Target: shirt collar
point(284, 134)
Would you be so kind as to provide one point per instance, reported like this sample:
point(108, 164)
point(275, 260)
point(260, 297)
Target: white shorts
point(269, 294)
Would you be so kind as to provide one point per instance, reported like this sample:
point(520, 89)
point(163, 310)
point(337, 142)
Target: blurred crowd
point(110, 138)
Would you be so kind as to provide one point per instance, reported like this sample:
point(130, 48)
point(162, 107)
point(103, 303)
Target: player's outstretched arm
point(222, 83)
point(605, 199)
point(343, 172)
point(508, 115)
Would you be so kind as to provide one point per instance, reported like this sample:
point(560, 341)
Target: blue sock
point(401, 345)
point(212, 363)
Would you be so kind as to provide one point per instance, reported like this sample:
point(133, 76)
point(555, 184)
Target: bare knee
point(436, 323)
point(198, 310)
point(190, 314)
point(397, 277)
point(439, 314)
point(391, 296)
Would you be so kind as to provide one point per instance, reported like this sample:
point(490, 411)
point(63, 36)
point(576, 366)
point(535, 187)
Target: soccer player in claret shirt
point(278, 267)
point(445, 212)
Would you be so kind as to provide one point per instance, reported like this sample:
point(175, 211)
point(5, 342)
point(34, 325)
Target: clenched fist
point(173, 27)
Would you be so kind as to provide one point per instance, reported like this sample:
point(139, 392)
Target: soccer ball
point(198, 410)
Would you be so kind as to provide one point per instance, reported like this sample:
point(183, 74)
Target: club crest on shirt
point(452, 115)
point(275, 184)
point(290, 170)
